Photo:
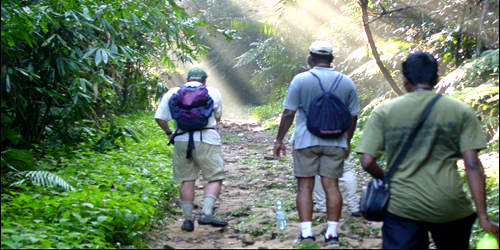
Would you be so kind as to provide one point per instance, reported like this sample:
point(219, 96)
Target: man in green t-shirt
point(426, 190)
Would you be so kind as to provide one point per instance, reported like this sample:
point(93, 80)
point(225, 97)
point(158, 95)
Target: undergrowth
point(116, 196)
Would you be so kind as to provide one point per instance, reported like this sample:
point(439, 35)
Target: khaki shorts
point(322, 160)
point(204, 157)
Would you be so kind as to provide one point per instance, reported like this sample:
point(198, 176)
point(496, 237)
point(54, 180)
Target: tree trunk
point(481, 27)
point(373, 47)
point(460, 35)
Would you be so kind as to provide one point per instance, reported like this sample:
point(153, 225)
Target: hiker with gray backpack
point(196, 109)
point(326, 104)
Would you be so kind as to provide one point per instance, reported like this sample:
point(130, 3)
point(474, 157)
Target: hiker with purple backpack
point(196, 109)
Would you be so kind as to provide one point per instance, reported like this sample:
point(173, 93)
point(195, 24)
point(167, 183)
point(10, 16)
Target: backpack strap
point(336, 83)
point(190, 140)
point(410, 139)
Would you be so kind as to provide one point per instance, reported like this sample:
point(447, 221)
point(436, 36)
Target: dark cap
point(197, 73)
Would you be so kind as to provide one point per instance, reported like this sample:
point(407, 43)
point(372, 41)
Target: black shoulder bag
point(375, 197)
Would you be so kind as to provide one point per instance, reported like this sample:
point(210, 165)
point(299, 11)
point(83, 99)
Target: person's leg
point(209, 158)
point(187, 197)
point(454, 234)
point(305, 169)
point(186, 171)
point(304, 203)
point(403, 233)
point(348, 186)
point(304, 198)
point(331, 169)
point(211, 192)
point(319, 195)
point(333, 198)
point(333, 209)
point(186, 191)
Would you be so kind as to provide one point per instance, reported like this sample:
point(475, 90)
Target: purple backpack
point(191, 107)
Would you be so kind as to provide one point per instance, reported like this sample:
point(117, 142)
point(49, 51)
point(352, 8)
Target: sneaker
point(188, 225)
point(306, 241)
point(211, 220)
point(331, 240)
point(356, 214)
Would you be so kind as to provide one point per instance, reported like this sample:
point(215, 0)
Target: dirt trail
point(255, 182)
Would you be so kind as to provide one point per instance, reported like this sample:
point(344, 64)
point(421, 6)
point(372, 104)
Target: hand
point(170, 137)
point(490, 227)
point(348, 150)
point(277, 149)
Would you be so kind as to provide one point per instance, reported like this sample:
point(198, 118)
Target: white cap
point(321, 48)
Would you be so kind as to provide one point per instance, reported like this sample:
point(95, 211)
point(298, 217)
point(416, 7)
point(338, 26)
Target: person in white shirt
point(347, 186)
point(205, 156)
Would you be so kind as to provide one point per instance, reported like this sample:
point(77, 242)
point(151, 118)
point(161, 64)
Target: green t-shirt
point(426, 185)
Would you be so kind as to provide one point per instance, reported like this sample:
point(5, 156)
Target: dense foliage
point(66, 65)
point(113, 196)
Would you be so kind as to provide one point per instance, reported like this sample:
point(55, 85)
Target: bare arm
point(350, 134)
point(164, 125)
point(475, 178)
point(369, 164)
point(285, 124)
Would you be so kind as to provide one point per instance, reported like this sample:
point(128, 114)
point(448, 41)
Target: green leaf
point(98, 57)
point(90, 52)
point(102, 218)
point(51, 93)
point(7, 84)
point(104, 56)
point(87, 204)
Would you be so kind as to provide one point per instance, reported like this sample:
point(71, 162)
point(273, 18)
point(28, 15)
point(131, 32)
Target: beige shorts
point(204, 157)
point(322, 160)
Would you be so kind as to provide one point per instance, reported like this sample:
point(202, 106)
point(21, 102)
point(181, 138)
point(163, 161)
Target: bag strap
point(410, 140)
point(336, 83)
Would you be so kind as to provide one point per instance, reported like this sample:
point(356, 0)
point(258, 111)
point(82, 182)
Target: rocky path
point(255, 182)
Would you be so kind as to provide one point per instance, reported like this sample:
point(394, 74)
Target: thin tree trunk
point(373, 47)
point(460, 35)
point(481, 27)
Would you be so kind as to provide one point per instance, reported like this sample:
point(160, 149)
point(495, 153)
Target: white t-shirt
point(209, 136)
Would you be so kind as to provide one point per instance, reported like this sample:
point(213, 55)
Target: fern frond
point(43, 178)
point(472, 73)
point(18, 159)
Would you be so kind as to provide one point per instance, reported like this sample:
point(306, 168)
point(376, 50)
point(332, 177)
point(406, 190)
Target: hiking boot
point(305, 241)
point(356, 214)
point(188, 225)
point(211, 220)
point(331, 241)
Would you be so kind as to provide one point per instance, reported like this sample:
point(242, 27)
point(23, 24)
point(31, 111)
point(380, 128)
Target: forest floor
point(255, 183)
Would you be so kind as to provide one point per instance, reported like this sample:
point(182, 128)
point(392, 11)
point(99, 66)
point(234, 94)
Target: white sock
point(332, 229)
point(208, 204)
point(187, 209)
point(306, 228)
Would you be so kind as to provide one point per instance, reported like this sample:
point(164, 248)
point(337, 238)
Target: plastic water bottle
point(280, 216)
point(487, 242)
